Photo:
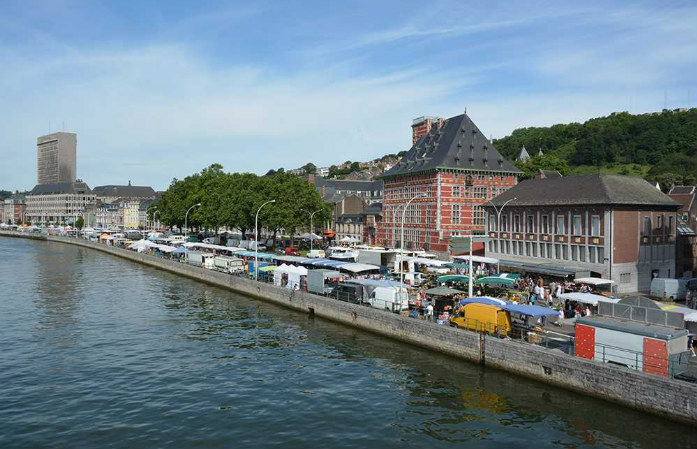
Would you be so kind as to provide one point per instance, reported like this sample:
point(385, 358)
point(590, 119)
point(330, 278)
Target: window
point(557, 251)
point(560, 224)
point(504, 223)
point(543, 250)
point(647, 226)
point(516, 223)
point(456, 191)
point(625, 278)
point(670, 225)
point(545, 224)
point(456, 214)
point(595, 226)
point(565, 250)
point(591, 254)
point(578, 229)
point(601, 254)
point(582, 253)
point(492, 222)
point(479, 214)
point(531, 224)
point(659, 226)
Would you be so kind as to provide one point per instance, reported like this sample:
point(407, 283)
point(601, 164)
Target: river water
point(97, 351)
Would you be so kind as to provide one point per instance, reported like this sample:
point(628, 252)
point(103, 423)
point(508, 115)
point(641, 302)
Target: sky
point(157, 90)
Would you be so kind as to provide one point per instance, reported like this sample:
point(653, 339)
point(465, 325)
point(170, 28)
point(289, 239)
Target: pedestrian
point(587, 312)
point(429, 312)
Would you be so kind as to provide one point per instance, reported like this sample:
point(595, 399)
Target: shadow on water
point(460, 391)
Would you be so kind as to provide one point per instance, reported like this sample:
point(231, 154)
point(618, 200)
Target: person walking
point(429, 312)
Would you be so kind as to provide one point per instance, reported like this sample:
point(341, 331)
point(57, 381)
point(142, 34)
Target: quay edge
point(669, 398)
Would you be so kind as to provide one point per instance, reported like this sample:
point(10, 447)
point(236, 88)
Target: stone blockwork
point(666, 397)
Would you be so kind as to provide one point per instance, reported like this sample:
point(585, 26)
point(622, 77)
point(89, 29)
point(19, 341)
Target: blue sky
point(157, 90)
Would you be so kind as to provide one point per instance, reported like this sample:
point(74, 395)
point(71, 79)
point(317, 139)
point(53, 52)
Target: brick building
point(686, 251)
point(616, 227)
point(458, 170)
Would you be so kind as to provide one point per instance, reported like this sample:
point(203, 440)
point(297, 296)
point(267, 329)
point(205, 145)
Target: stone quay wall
point(669, 398)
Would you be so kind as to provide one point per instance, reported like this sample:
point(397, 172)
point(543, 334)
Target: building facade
point(13, 211)
point(60, 203)
point(111, 193)
point(332, 190)
point(455, 170)
point(372, 216)
point(609, 226)
point(56, 158)
point(686, 251)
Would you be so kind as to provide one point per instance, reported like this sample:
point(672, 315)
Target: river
point(97, 351)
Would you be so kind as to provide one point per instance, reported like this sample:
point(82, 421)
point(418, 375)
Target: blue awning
point(521, 309)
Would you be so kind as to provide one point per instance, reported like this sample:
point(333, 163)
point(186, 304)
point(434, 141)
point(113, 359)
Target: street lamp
point(498, 221)
point(256, 243)
point(154, 214)
point(401, 243)
point(186, 228)
point(312, 228)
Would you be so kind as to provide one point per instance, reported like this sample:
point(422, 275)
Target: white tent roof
point(310, 235)
point(211, 246)
point(593, 281)
point(428, 262)
point(358, 267)
point(588, 298)
point(349, 239)
point(476, 259)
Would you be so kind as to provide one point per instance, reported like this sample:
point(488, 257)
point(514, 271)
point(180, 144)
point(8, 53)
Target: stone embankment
point(669, 398)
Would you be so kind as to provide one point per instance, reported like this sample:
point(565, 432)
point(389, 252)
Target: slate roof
point(596, 189)
point(124, 191)
point(341, 184)
point(458, 144)
point(684, 195)
point(60, 188)
point(373, 209)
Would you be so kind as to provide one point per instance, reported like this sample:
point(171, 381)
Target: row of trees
point(232, 199)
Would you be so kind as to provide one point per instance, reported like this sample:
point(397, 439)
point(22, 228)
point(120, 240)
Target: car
point(291, 251)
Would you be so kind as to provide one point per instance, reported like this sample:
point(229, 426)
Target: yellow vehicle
point(482, 318)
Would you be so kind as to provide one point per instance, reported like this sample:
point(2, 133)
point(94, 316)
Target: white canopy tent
point(594, 281)
point(588, 298)
point(310, 235)
point(349, 239)
point(142, 245)
point(476, 259)
point(293, 274)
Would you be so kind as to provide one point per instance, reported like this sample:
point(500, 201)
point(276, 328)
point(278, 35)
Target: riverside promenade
point(668, 398)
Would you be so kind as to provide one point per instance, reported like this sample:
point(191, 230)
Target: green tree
point(80, 223)
point(310, 168)
point(546, 162)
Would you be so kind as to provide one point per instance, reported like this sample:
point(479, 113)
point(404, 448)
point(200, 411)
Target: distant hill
point(655, 146)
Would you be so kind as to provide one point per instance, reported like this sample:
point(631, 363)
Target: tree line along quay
point(232, 200)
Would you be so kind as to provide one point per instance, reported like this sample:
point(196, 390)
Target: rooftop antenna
point(465, 110)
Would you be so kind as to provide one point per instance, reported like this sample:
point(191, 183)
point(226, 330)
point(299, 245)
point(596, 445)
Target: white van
point(229, 264)
point(316, 254)
point(389, 298)
point(666, 288)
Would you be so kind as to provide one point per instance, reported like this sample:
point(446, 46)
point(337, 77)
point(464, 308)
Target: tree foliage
point(80, 223)
point(232, 200)
point(546, 162)
point(667, 141)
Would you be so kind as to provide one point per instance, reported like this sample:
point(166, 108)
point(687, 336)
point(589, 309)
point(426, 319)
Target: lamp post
point(154, 214)
point(186, 228)
point(312, 228)
point(498, 222)
point(256, 242)
point(401, 242)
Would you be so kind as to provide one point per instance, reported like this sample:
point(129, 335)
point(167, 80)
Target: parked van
point(389, 298)
point(483, 318)
point(229, 264)
point(666, 288)
point(316, 254)
point(348, 292)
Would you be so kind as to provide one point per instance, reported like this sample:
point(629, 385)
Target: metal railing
point(671, 366)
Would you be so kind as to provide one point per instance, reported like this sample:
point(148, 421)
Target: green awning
point(501, 279)
point(443, 291)
point(453, 278)
point(462, 266)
